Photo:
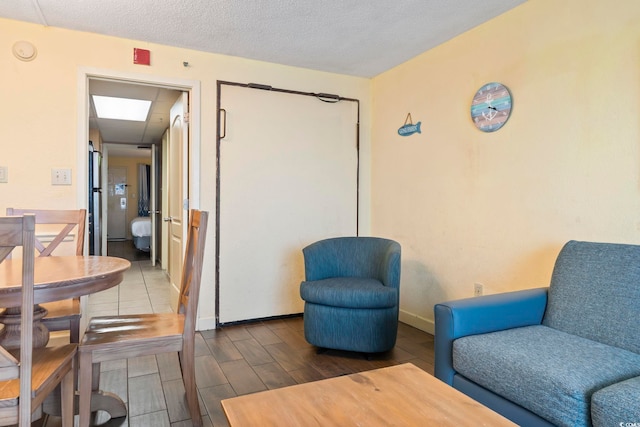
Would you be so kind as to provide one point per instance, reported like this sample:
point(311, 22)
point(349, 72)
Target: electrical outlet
point(60, 176)
point(4, 174)
point(478, 289)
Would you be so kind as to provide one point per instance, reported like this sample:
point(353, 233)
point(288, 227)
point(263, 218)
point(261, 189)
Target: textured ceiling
point(355, 37)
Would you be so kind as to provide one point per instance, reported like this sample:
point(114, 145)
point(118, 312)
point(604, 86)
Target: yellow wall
point(131, 164)
point(466, 206)
point(40, 108)
point(496, 208)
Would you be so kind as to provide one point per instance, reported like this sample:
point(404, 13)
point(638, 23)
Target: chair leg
point(95, 376)
point(187, 362)
point(86, 378)
point(74, 330)
point(67, 398)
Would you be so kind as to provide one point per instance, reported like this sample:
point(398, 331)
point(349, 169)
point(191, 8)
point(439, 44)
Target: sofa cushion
point(546, 371)
point(595, 293)
point(349, 292)
point(617, 405)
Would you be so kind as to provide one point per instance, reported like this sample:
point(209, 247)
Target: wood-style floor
point(230, 361)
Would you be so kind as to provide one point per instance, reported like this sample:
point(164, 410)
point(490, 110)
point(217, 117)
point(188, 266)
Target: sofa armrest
point(480, 315)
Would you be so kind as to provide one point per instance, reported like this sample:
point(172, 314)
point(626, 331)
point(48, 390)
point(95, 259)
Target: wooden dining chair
point(61, 315)
point(119, 337)
point(29, 375)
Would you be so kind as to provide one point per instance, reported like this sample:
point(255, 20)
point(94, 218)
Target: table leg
point(10, 335)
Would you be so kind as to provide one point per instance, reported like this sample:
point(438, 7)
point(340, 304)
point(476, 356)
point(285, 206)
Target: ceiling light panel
point(121, 108)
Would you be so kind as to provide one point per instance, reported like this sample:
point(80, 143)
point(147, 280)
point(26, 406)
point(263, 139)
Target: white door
point(117, 203)
point(288, 177)
point(177, 190)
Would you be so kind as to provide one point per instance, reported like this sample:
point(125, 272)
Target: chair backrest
point(192, 271)
point(20, 231)
point(70, 219)
point(371, 257)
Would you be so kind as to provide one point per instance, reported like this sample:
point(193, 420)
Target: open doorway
point(131, 148)
point(131, 189)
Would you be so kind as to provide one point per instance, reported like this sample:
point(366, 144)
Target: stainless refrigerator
point(95, 210)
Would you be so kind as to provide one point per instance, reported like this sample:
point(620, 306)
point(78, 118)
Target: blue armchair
point(351, 293)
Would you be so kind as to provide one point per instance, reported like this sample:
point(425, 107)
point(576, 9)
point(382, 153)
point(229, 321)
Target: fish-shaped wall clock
point(409, 128)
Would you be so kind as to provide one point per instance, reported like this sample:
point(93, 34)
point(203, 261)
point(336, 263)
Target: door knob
point(168, 219)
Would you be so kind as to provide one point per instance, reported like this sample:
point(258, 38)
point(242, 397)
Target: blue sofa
point(566, 355)
point(351, 293)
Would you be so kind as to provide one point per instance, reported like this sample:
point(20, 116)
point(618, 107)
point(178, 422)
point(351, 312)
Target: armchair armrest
point(390, 266)
point(480, 315)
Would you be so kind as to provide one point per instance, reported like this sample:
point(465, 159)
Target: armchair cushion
point(559, 371)
point(351, 292)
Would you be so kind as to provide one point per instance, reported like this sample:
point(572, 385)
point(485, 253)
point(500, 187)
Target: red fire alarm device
point(141, 56)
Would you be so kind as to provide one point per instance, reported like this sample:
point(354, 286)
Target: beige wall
point(39, 113)
point(496, 208)
point(131, 164)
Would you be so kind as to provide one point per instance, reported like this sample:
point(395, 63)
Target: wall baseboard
point(416, 321)
point(206, 323)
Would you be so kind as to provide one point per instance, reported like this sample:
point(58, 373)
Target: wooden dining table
point(55, 278)
point(58, 278)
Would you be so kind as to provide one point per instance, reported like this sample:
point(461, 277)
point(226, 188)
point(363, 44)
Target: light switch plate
point(4, 174)
point(60, 176)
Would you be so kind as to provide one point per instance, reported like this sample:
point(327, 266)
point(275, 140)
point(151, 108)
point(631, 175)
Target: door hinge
point(185, 204)
point(186, 117)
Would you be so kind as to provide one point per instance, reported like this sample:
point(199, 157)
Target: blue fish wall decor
point(409, 129)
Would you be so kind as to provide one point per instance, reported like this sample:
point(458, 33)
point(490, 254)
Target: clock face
point(491, 107)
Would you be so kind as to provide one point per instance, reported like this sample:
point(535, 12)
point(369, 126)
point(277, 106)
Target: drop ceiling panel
point(121, 131)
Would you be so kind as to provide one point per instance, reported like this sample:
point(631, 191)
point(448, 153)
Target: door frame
point(191, 86)
point(153, 200)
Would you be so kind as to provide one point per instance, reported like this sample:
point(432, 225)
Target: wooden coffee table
point(401, 395)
